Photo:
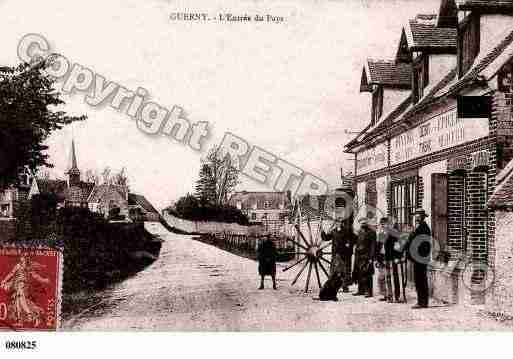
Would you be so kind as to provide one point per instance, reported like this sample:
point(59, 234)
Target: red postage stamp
point(30, 288)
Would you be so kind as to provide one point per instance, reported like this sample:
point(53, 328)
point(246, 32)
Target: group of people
point(382, 250)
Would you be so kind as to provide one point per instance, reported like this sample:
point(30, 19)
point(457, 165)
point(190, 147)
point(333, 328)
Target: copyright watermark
point(153, 118)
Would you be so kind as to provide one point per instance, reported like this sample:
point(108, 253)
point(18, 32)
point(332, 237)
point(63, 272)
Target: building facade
point(270, 209)
point(336, 204)
point(439, 145)
point(10, 199)
point(11, 196)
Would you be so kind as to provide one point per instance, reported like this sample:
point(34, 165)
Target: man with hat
point(419, 252)
point(342, 241)
point(364, 258)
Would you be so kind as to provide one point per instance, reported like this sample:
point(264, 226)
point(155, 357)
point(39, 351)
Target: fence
point(247, 245)
point(200, 227)
point(235, 238)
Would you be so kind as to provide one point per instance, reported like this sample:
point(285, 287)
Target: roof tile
point(486, 4)
point(134, 199)
point(387, 72)
point(502, 197)
point(425, 34)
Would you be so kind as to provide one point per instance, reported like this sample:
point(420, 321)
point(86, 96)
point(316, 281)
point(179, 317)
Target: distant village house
point(270, 209)
point(101, 198)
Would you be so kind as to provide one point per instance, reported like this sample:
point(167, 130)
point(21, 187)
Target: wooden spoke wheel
point(310, 252)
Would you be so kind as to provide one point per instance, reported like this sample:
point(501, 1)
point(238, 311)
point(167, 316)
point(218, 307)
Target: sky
point(290, 88)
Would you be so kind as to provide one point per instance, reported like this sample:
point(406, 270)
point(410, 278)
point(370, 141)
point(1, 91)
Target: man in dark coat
point(365, 252)
point(419, 252)
point(392, 258)
point(266, 256)
point(342, 240)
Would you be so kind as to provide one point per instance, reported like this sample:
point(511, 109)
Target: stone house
point(439, 145)
point(270, 209)
point(141, 208)
point(10, 199)
point(15, 193)
point(106, 197)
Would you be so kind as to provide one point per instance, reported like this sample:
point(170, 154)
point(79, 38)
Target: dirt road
point(194, 286)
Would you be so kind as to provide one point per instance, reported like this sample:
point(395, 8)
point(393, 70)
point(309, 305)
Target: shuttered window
point(420, 77)
point(377, 104)
point(439, 199)
point(468, 43)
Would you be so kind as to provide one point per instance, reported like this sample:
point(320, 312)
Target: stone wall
point(445, 284)
point(500, 295)
point(200, 227)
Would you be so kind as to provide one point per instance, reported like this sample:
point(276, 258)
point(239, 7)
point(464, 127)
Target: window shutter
point(380, 103)
point(439, 209)
point(425, 72)
point(469, 39)
point(415, 86)
point(374, 107)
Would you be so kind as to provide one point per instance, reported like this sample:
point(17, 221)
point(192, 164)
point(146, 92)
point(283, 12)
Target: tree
point(188, 207)
point(217, 179)
point(29, 113)
point(205, 186)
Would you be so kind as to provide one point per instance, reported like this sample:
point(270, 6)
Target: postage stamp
point(30, 288)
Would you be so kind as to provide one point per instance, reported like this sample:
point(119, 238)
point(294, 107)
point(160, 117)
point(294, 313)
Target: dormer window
point(377, 104)
point(468, 43)
point(420, 77)
point(379, 76)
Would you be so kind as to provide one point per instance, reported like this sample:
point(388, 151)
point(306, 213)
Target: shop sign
point(480, 160)
point(372, 159)
point(440, 132)
point(457, 164)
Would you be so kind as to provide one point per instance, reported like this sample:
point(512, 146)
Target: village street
point(194, 286)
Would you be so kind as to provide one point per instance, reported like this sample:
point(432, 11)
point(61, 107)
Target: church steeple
point(74, 172)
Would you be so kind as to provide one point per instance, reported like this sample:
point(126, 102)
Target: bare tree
point(121, 178)
point(106, 175)
point(92, 177)
point(217, 178)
